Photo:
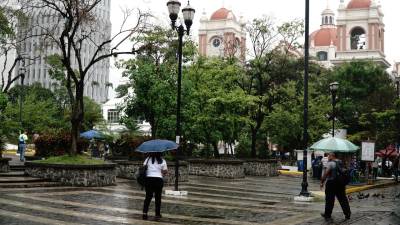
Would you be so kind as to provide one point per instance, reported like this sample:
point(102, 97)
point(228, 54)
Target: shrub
point(125, 146)
point(56, 144)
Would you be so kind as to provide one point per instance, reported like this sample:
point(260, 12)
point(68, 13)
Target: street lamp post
point(333, 87)
point(304, 185)
point(188, 15)
point(22, 76)
point(397, 80)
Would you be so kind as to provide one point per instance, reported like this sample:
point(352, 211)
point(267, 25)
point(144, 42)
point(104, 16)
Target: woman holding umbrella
point(156, 169)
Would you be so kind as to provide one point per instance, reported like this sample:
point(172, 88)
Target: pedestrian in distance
point(335, 187)
point(156, 170)
point(22, 139)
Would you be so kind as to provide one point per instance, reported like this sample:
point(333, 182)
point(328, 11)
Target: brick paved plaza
point(210, 201)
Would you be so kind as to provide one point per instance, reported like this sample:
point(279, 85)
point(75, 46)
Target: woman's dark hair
point(156, 156)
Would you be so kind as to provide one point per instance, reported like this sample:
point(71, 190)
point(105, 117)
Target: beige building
point(222, 35)
point(359, 33)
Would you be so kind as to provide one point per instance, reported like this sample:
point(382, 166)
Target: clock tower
point(222, 35)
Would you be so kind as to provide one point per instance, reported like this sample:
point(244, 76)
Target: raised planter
point(4, 165)
point(74, 175)
point(230, 169)
point(127, 169)
point(261, 167)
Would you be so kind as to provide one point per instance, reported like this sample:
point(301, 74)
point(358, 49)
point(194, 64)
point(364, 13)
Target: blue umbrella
point(157, 146)
point(92, 134)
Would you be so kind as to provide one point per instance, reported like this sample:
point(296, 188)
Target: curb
point(321, 194)
point(367, 187)
point(290, 173)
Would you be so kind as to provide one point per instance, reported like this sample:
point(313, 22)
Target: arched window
point(330, 20)
point(322, 56)
point(358, 39)
point(326, 20)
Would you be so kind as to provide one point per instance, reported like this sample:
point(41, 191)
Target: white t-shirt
point(154, 170)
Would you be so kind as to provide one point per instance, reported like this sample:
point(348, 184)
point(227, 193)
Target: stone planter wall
point(74, 175)
point(127, 169)
point(4, 165)
point(258, 167)
point(229, 169)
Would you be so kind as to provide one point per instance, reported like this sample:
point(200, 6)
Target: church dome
point(324, 37)
point(222, 14)
point(359, 4)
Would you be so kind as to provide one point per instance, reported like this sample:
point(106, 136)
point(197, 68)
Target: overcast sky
point(282, 10)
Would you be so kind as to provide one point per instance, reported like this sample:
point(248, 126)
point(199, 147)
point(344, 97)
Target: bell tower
point(360, 32)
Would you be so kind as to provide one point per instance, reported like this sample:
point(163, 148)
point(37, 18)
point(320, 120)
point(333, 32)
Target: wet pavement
point(253, 200)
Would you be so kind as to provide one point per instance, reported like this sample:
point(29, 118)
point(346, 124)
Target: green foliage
point(72, 160)
point(214, 106)
point(56, 143)
point(126, 145)
point(93, 114)
point(152, 76)
point(54, 111)
point(366, 102)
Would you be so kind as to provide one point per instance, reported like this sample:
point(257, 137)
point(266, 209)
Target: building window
point(358, 39)
point(330, 20)
point(322, 56)
point(113, 116)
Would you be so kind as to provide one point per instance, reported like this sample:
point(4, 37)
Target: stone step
point(13, 174)
point(29, 185)
point(4, 180)
point(17, 167)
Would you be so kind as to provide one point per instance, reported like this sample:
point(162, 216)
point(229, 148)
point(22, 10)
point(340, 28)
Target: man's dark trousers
point(333, 189)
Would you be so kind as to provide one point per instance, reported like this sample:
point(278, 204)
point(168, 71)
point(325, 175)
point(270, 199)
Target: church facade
point(357, 34)
point(222, 35)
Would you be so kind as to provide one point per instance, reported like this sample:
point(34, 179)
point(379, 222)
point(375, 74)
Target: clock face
point(216, 42)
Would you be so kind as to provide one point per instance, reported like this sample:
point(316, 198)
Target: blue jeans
point(22, 148)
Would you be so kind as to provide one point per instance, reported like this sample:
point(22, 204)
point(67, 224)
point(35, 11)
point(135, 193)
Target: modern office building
point(37, 70)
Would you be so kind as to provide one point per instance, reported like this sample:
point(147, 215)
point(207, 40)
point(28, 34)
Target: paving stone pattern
point(252, 200)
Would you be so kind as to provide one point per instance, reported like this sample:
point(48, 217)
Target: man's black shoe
point(325, 216)
point(347, 217)
point(144, 217)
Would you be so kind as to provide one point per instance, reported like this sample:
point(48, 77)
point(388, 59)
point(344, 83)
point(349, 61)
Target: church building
point(222, 35)
point(358, 33)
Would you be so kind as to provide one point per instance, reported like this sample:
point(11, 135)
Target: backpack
point(342, 175)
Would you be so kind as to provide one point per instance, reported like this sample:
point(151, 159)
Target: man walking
point(334, 188)
point(23, 138)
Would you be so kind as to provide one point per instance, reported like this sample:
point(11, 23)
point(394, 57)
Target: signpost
point(368, 155)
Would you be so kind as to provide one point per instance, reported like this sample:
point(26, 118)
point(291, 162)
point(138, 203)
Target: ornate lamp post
point(188, 15)
point(304, 185)
point(333, 87)
point(22, 76)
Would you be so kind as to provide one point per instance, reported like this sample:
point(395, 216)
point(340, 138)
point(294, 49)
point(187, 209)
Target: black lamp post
point(304, 185)
point(397, 80)
point(188, 15)
point(333, 87)
point(21, 93)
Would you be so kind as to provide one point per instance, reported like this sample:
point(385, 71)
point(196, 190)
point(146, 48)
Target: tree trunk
point(253, 142)
point(215, 147)
point(76, 118)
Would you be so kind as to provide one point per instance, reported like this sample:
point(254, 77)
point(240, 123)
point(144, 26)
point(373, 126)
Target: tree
point(77, 25)
point(54, 117)
point(214, 104)
point(11, 20)
point(152, 76)
point(273, 48)
point(366, 99)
